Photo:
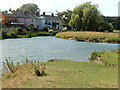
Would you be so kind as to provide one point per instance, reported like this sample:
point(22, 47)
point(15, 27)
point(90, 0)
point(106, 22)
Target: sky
point(106, 7)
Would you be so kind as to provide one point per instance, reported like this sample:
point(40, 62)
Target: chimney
point(13, 12)
point(43, 13)
point(52, 14)
point(10, 9)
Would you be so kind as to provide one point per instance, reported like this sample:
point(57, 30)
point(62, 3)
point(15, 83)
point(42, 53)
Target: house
point(1, 22)
point(17, 18)
point(9, 19)
point(51, 20)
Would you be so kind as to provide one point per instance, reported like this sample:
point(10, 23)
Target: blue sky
point(107, 7)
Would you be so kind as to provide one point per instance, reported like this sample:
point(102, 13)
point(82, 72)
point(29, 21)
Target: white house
point(51, 20)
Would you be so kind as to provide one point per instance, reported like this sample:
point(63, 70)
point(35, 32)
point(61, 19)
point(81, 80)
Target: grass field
point(91, 36)
point(66, 74)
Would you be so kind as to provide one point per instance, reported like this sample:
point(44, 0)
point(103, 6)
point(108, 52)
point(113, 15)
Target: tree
point(66, 15)
point(29, 8)
point(5, 11)
point(86, 17)
point(105, 26)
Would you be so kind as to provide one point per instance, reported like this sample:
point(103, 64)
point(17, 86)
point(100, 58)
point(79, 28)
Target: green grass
point(60, 73)
point(64, 74)
point(92, 36)
point(110, 57)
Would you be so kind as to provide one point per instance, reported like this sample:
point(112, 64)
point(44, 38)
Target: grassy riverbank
point(65, 74)
point(28, 35)
point(90, 36)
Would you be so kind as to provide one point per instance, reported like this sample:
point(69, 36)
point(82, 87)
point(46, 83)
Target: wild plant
point(8, 64)
point(26, 60)
point(17, 63)
point(36, 70)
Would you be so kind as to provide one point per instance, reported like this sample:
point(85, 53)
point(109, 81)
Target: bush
point(37, 72)
point(51, 60)
point(4, 35)
point(31, 26)
point(103, 26)
point(46, 28)
point(26, 60)
point(51, 30)
point(94, 55)
point(64, 29)
point(19, 29)
point(13, 35)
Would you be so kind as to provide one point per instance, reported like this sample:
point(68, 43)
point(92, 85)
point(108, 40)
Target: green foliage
point(29, 8)
point(26, 60)
point(37, 72)
point(11, 64)
point(19, 29)
point(94, 55)
point(4, 35)
point(115, 21)
point(51, 60)
point(50, 30)
point(46, 28)
point(64, 29)
point(13, 35)
point(17, 63)
point(105, 26)
point(31, 27)
point(66, 15)
point(87, 17)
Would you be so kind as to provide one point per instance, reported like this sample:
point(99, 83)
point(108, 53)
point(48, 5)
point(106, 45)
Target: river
point(44, 48)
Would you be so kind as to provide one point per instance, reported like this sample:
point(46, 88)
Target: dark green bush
point(51, 60)
point(94, 55)
point(13, 35)
point(46, 28)
point(37, 72)
point(19, 29)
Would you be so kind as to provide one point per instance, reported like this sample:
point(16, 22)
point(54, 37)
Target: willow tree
point(86, 17)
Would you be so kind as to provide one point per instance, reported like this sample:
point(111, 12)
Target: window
point(27, 20)
point(15, 20)
point(23, 19)
point(19, 19)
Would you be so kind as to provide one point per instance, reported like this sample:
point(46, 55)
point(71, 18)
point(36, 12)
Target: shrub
point(64, 29)
point(103, 26)
point(94, 55)
point(8, 64)
point(51, 60)
point(11, 64)
point(26, 60)
point(19, 29)
point(31, 26)
point(46, 28)
point(17, 63)
point(4, 35)
point(51, 30)
point(37, 72)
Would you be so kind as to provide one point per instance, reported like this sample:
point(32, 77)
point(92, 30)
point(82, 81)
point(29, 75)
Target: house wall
point(22, 20)
point(7, 19)
point(28, 22)
point(42, 23)
point(3, 21)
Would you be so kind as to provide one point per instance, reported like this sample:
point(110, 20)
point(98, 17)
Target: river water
point(44, 48)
